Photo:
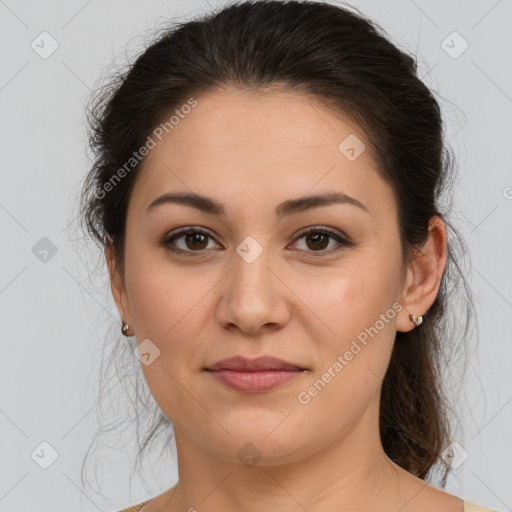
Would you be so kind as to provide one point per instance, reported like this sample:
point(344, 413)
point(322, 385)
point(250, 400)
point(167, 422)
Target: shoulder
point(473, 507)
point(468, 507)
point(134, 508)
point(429, 498)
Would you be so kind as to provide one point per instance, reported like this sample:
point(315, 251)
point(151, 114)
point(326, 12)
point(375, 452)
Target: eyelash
point(331, 234)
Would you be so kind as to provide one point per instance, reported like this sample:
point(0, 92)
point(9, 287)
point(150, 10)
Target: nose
point(253, 296)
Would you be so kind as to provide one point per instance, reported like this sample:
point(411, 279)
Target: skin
point(251, 152)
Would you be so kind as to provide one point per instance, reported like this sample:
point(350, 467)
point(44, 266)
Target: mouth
point(254, 375)
point(262, 363)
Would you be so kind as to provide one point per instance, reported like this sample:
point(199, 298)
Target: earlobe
point(116, 285)
point(424, 276)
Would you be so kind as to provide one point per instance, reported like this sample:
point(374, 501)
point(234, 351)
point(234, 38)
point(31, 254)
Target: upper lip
point(259, 364)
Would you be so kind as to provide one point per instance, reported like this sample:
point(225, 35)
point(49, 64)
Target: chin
point(251, 446)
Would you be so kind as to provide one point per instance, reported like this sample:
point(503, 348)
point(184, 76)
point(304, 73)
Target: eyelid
point(181, 232)
point(325, 229)
point(342, 239)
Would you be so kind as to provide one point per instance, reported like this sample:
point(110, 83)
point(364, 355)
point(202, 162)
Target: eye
point(193, 240)
point(317, 240)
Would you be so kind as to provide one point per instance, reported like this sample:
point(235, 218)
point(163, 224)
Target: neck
point(354, 472)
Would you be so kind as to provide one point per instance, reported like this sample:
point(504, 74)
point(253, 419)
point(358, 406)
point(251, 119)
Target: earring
point(124, 329)
point(416, 319)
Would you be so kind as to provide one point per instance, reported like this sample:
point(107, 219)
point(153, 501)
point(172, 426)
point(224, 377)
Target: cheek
point(347, 300)
point(168, 307)
point(353, 361)
point(164, 299)
point(355, 312)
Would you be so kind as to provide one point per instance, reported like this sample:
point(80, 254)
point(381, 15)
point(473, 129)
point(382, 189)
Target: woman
point(267, 192)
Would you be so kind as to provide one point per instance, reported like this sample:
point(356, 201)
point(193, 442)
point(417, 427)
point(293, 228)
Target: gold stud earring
point(416, 320)
point(124, 329)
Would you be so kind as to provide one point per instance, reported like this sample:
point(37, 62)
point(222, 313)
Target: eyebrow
point(286, 208)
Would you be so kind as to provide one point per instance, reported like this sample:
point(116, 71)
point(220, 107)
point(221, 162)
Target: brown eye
point(196, 240)
point(191, 240)
point(319, 240)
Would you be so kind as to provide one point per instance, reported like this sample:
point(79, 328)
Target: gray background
point(54, 316)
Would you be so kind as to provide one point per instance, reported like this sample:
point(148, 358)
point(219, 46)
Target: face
point(251, 281)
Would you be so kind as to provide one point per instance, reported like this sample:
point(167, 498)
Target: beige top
point(468, 507)
point(473, 507)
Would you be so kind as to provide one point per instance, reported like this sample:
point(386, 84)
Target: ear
point(117, 285)
point(424, 275)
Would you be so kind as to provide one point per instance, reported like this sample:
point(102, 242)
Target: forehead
point(272, 144)
point(247, 120)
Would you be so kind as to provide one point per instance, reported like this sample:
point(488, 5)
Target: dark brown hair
point(346, 61)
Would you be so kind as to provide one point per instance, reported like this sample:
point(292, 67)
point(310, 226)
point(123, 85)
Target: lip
point(261, 363)
point(254, 382)
point(254, 375)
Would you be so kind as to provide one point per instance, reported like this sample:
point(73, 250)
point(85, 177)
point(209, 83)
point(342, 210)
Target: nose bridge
point(250, 298)
point(251, 276)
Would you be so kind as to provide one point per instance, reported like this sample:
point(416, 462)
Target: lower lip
point(256, 381)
